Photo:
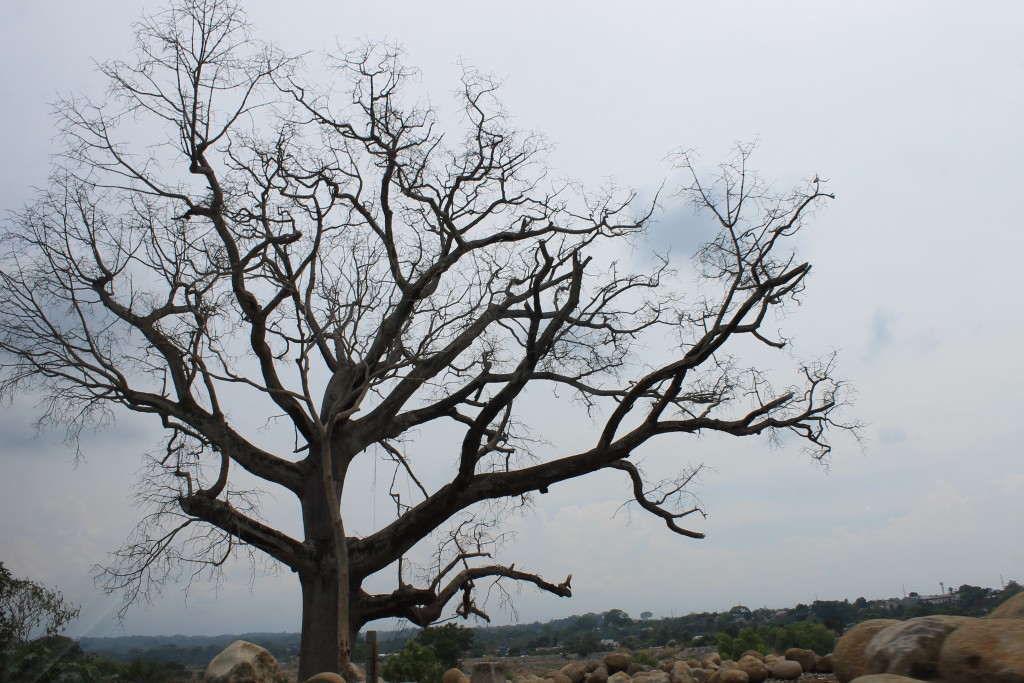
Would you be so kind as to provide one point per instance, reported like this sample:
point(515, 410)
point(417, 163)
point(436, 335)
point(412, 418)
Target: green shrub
point(645, 659)
point(413, 662)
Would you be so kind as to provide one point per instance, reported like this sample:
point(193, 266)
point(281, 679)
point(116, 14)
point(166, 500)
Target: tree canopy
point(30, 610)
point(291, 277)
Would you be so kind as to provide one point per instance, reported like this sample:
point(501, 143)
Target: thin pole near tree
point(323, 254)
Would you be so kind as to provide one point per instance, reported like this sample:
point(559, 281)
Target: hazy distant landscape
point(588, 633)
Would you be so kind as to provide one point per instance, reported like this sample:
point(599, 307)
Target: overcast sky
point(911, 110)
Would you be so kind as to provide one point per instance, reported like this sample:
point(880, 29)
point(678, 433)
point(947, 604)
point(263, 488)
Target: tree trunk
point(327, 619)
point(318, 651)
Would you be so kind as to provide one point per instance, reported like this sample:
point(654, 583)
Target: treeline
point(59, 659)
point(188, 650)
point(588, 633)
point(810, 626)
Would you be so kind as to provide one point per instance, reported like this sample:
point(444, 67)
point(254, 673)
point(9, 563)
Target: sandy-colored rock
point(1013, 608)
point(885, 678)
point(560, 678)
point(693, 663)
point(617, 661)
point(700, 675)
point(984, 651)
point(911, 648)
point(619, 677)
point(753, 653)
point(848, 659)
point(655, 676)
point(711, 658)
point(787, 669)
point(824, 665)
point(325, 677)
point(733, 676)
point(806, 658)
point(755, 669)
point(575, 671)
point(243, 662)
point(453, 676)
point(681, 673)
point(598, 675)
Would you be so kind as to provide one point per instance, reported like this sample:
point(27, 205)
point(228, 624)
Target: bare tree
point(221, 240)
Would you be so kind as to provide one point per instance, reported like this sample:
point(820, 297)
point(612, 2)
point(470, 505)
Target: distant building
point(940, 599)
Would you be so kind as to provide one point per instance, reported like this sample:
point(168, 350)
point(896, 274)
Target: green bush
point(645, 659)
point(449, 642)
point(413, 662)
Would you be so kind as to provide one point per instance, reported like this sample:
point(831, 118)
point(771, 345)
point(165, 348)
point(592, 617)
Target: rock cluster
point(618, 667)
point(946, 649)
point(936, 648)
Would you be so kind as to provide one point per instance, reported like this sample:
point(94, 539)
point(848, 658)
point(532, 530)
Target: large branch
point(271, 541)
point(423, 606)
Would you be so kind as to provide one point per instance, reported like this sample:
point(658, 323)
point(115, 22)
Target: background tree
point(450, 642)
point(414, 662)
point(30, 610)
point(227, 248)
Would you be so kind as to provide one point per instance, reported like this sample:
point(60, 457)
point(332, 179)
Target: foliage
point(450, 642)
point(56, 659)
point(778, 639)
point(802, 634)
point(748, 639)
point(28, 609)
point(645, 658)
point(414, 662)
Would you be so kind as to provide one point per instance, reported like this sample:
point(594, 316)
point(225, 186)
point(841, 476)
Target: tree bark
point(319, 650)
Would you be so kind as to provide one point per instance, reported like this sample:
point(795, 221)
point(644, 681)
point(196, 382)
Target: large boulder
point(787, 669)
point(755, 669)
point(911, 648)
point(885, 678)
point(984, 650)
point(848, 659)
point(1012, 608)
point(700, 675)
point(326, 677)
point(730, 676)
point(598, 675)
point(824, 665)
point(619, 677)
point(617, 661)
point(576, 671)
point(681, 673)
point(243, 662)
point(711, 660)
point(806, 658)
point(454, 676)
